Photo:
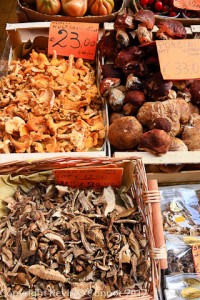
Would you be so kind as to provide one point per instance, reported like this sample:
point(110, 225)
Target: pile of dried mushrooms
point(60, 241)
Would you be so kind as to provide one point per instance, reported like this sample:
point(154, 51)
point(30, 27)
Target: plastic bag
point(183, 286)
point(180, 209)
point(179, 254)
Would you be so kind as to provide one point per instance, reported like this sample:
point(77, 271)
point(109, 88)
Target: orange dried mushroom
point(50, 105)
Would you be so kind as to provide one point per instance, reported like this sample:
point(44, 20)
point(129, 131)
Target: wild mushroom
point(124, 56)
point(14, 124)
point(170, 29)
point(194, 89)
point(125, 133)
point(116, 99)
point(176, 111)
point(106, 84)
point(145, 20)
point(158, 89)
point(191, 133)
point(156, 141)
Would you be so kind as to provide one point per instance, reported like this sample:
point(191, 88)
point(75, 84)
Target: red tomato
point(172, 13)
point(171, 3)
point(150, 2)
point(143, 2)
point(165, 8)
point(158, 6)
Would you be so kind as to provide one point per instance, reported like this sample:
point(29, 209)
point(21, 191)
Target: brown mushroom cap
point(157, 88)
point(125, 133)
point(156, 141)
point(124, 21)
point(195, 91)
point(172, 28)
point(145, 18)
point(135, 97)
point(191, 133)
point(163, 123)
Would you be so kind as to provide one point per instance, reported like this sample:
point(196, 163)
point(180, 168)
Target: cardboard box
point(18, 33)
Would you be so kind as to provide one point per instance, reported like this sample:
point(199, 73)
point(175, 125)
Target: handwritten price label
point(79, 39)
point(179, 59)
point(89, 177)
point(187, 4)
point(196, 257)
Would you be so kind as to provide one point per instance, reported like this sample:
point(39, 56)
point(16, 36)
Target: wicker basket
point(25, 14)
point(184, 21)
point(139, 190)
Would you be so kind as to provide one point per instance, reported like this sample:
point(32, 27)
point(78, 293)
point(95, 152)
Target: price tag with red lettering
point(89, 177)
point(187, 4)
point(79, 39)
point(179, 59)
point(196, 257)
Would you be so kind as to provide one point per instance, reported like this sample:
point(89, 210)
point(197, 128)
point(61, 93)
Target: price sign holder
point(196, 257)
point(89, 177)
point(179, 59)
point(187, 4)
point(79, 39)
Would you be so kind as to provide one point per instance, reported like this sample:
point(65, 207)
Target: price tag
point(79, 39)
point(187, 4)
point(89, 177)
point(196, 257)
point(179, 59)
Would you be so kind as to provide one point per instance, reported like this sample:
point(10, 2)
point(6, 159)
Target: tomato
point(172, 13)
point(49, 7)
point(150, 2)
point(165, 8)
point(143, 2)
point(158, 5)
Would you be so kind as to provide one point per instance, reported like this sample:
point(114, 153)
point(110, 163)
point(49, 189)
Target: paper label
point(187, 4)
point(179, 59)
point(79, 39)
point(89, 177)
point(196, 257)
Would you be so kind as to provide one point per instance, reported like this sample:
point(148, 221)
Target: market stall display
point(49, 103)
point(133, 85)
point(59, 240)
